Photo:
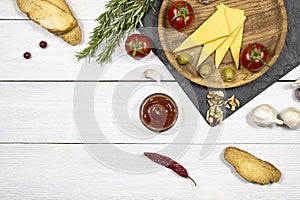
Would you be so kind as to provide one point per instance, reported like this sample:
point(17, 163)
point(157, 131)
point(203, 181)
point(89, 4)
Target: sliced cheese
point(223, 44)
point(213, 28)
point(224, 47)
point(208, 49)
point(236, 45)
point(235, 20)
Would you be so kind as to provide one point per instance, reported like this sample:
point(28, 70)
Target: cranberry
point(297, 94)
point(27, 55)
point(43, 44)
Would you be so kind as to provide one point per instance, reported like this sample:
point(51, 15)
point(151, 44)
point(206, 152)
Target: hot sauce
point(158, 112)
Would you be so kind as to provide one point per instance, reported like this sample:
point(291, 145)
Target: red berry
point(297, 94)
point(43, 44)
point(27, 55)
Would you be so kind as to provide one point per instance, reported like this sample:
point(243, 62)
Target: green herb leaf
point(121, 18)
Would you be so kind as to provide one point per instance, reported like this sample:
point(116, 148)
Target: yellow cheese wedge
point(236, 45)
point(223, 44)
point(224, 47)
point(208, 49)
point(213, 28)
point(234, 17)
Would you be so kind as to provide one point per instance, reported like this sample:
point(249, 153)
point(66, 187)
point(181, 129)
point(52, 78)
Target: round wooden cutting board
point(266, 23)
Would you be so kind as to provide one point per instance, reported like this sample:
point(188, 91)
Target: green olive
point(184, 59)
point(205, 71)
point(228, 74)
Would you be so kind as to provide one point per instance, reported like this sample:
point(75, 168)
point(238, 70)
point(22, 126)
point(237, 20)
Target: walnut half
point(216, 102)
point(214, 115)
point(215, 98)
point(232, 103)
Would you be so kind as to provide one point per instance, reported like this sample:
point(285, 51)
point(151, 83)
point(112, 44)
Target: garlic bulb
point(265, 115)
point(291, 117)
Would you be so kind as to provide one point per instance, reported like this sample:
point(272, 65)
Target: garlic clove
point(152, 74)
point(296, 83)
point(265, 115)
point(291, 117)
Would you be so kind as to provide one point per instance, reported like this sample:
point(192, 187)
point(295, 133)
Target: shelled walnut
point(214, 115)
point(216, 101)
point(215, 98)
point(232, 103)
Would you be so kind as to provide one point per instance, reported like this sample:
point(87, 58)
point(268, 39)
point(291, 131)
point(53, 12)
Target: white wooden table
point(43, 157)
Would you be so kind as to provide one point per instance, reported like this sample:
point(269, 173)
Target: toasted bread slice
point(61, 4)
point(48, 15)
point(74, 36)
point(252, 169)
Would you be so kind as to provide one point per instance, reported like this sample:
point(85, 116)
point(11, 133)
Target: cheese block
point(213, 28)
point(223, 44)
point(234, 17)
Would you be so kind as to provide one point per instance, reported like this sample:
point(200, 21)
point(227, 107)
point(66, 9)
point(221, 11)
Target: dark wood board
point(288, 60)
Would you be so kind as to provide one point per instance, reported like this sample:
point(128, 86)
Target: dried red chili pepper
point(169, 163)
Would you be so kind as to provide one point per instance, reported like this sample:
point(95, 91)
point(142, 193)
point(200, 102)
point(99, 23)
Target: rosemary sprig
point(121, 17)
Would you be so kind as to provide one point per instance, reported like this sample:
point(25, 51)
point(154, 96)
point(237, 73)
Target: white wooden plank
point(49, 64)
point(82, 9)
point(58, 68)
point(44, 112)
point(58, 61)
point(70, 172)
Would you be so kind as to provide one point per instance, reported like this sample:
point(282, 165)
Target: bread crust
point(55, 16)
point(47, 15)
point(74, 36)
point(251, 168)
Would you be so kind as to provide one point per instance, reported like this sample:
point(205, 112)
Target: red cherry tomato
point(138, 46)
point(181, 15)
point(254, 57)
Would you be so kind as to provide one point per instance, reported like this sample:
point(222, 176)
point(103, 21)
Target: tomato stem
point(137, 47)
point(182, 12)
point(256, 55)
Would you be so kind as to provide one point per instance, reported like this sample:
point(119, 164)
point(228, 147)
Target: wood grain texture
point(68, 172)
point(44, 113)
point(266, 23)
point(58, 61)
point(40, 157)
point(14, 67)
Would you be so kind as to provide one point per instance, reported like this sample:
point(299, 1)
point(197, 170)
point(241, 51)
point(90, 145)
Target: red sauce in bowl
point(158, 112)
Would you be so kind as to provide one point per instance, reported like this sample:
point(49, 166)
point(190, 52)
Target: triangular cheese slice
point(224, 47)
point(213, 28)
point(234, 16)
point(210, 47)
point(236, 45)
